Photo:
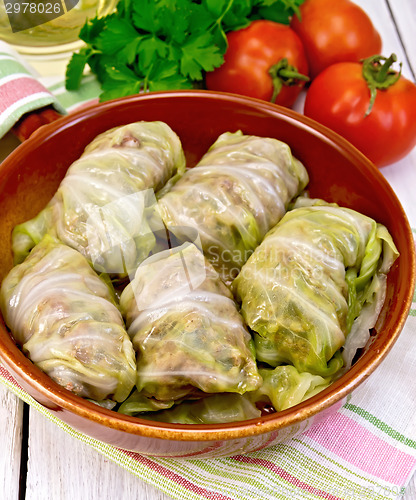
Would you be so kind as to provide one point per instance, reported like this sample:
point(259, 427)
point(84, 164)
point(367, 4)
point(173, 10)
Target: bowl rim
point(337, 391)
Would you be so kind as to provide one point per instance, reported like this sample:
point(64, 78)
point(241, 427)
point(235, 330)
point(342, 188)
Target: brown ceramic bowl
point(338, 173)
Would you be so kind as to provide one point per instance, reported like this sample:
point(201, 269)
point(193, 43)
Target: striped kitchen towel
point(20, 90)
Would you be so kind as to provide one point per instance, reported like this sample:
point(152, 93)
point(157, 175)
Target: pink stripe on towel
point(14, 90)
point(360, 447)
point(176, 478)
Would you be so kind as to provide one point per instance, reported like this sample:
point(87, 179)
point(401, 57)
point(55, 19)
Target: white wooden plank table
point(38, 460)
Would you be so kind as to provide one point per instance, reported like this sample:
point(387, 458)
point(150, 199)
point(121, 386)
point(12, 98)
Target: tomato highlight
point(266, 60)
point(368, 103)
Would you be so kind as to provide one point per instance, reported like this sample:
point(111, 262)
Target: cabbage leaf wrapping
point(188, 334)
point(215, 409)
point(282, 388)
point(104, 206)
point(137, 403)
point(65, 318)
point(316, 284)
point(285, 387)
point(237, 192)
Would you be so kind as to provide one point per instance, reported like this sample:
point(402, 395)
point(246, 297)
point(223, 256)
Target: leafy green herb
point(164, 44)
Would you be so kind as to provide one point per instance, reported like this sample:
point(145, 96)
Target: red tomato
point(335, 31)
point(339, 98)
point(253, 56)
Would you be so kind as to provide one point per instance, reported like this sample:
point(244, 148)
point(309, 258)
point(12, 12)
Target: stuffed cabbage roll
point(65, 318)
point(189, 337)
point(104, 206)
point(316, 284)
point(237, 192)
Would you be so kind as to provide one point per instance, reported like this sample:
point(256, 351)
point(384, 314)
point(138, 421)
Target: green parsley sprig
point(151, 45)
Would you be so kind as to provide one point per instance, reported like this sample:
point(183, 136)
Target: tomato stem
point(282, 73)
point(379, 75)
